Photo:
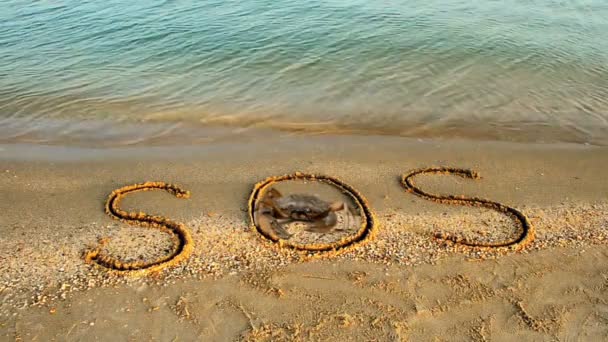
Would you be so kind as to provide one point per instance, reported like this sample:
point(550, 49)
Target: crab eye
point(307, 210)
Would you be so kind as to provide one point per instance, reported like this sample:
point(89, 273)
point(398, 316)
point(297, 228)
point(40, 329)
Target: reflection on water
point(507, 70)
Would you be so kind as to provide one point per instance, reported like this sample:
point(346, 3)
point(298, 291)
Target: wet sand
point(401, 285)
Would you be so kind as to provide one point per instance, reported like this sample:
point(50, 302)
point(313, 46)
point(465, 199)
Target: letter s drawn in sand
point(521, 241)
point(182, 241)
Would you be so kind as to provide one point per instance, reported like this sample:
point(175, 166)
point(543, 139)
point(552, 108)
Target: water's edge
point(110, 134)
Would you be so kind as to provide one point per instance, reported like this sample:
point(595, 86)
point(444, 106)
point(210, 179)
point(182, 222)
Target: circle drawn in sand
point(366, 221)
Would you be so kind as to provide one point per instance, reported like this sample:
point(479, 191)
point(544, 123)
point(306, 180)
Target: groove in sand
point(368, 222)
point(527, 230)
point(182, 241)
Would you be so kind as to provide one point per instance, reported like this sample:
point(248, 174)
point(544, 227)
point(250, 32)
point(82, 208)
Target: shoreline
point(53, 200)
point(95, 133)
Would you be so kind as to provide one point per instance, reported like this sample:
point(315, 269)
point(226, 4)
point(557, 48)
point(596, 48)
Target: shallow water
point(502, 70)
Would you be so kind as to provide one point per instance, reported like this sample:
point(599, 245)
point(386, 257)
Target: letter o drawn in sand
point(367, 222)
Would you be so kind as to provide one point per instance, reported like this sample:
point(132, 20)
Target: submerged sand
point(401, 285)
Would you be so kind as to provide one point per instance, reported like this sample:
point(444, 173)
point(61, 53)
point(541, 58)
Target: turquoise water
point(534, 70)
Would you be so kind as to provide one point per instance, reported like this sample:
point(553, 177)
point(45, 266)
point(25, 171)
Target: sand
point(400, 285)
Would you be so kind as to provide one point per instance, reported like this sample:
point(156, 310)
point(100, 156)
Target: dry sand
point(401, 285)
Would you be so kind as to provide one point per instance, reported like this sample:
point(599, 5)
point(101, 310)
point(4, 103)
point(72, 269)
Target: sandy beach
point(402, 284)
